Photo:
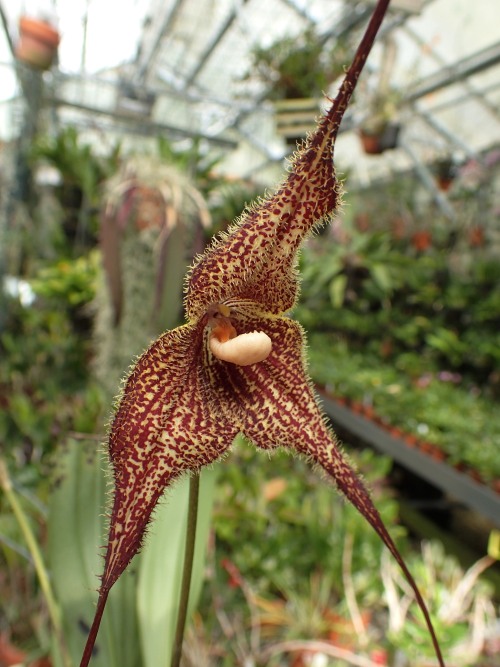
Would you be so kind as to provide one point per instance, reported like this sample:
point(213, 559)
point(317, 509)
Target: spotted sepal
point(256, 259)
point(163, 426)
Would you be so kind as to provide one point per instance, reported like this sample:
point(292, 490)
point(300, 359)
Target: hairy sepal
point(277, 406)
point(163, 426)
point(256, 259)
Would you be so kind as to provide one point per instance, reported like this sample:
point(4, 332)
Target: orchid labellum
point(237, 366)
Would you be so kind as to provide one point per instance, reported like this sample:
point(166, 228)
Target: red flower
point(238, 363)
point(421, 240)
point(476, 236)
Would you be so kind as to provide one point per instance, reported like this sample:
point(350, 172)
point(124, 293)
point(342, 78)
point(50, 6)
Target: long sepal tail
point(352, 487)
point(278, 406)
point(261, 248)
point(163, 426)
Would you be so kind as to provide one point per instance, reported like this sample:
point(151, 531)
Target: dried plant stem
point(192, 518)
point(350, 594)
point(34, 550)
point(317, 646)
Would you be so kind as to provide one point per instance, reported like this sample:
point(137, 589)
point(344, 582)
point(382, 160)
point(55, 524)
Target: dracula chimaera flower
point(237, 366)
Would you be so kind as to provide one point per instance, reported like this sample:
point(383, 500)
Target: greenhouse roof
point(183, 68)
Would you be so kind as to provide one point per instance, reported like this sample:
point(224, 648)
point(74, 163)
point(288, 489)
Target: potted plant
point(445, 171)
point(380, 131)
point(298, 67)
point(297, 71)
point(38, 42)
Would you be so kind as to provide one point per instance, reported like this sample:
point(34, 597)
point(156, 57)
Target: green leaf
point(160, 571)
point(322, 275)
point(337, 290)
point(76, 533)
point(381, 277)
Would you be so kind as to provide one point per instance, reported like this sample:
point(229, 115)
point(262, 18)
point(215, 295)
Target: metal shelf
point(461, 486)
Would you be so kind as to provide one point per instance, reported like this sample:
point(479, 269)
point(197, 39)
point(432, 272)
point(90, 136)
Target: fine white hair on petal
point(243, 350)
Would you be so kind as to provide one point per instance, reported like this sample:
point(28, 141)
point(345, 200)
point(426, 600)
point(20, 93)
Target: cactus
point(152, 226)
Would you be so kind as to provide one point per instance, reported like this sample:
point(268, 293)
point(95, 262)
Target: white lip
point(243, 350)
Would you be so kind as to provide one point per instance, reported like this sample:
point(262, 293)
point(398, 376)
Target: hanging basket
point(38, 42)
point(445, 173)
point(295, 118)
point(375, 143)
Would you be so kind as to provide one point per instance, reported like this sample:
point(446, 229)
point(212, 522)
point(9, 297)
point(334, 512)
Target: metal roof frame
point(189, 81)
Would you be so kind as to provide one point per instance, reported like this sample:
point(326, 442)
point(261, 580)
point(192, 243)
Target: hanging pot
point(38, 42)
point(445, 172)
point(370, 142)
point(295, 118)
point(376, 142)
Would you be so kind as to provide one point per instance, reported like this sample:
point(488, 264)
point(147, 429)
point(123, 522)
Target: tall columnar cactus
point(152, 224)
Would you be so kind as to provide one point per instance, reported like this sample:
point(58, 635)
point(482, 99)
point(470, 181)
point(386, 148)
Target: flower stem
point(194, 490)
point(41, 570)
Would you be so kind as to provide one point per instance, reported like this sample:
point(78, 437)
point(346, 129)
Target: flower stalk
point(192, 519)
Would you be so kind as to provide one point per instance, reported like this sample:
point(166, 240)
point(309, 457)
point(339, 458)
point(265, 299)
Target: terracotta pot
point(425, 446)
point(445, 171)
point(434, 451)
point(396, 432)
point(476, 236)
point(357, 407)
point(368, 411)
point(475, 475)
point(38, 42)
point(376, 143)
point(411, 439)
point(421, 240)
point(444, 183)
point(371, 143)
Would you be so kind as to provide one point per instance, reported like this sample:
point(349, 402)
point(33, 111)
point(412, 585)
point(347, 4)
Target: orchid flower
point(237, 365)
